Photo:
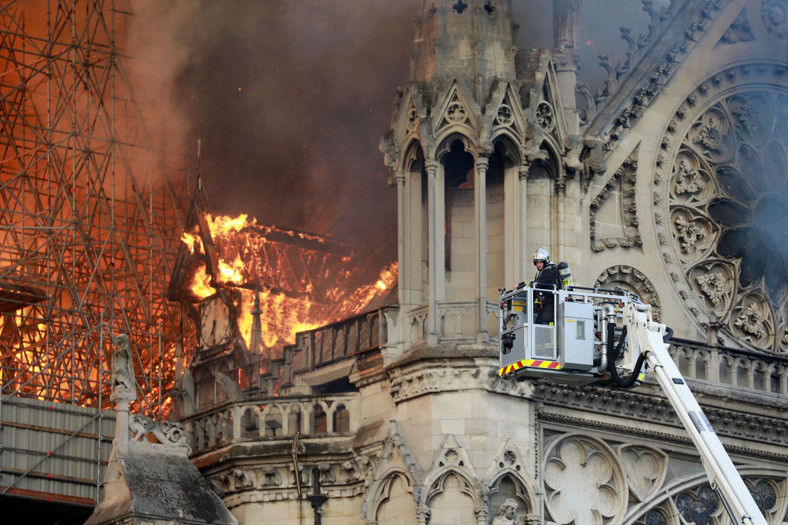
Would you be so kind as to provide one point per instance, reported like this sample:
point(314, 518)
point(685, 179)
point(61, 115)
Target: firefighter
point(546, 278)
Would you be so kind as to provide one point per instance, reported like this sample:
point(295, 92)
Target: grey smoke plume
point(290, 98)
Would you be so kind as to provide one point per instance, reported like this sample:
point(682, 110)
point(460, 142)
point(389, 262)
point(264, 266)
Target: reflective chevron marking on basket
point(529, 363)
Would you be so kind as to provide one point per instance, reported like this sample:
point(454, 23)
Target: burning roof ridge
point(243, 224)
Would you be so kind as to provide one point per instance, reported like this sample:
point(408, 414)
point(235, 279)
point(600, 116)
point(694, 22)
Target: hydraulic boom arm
point(646, 337)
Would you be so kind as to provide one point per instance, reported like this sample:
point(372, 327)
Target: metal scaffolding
point(90, 208)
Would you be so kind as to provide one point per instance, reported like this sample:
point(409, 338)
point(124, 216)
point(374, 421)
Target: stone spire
point(256, 340)
point(470, 40)
point(565, 55)
point(456, 156)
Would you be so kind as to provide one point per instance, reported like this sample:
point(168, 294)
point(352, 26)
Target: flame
point(201, 283)
point(231, 272)
point(222, 224)
point(192, 242)
point(302, 280)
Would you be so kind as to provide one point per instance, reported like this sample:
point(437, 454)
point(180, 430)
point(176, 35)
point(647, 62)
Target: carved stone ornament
point(583, 482)
point(506, 482)
point(164, 432)
point(774, 16)
point(694, 234)
point(417, 380)
point(452, 488)
point(660, 76)
point(622, 183)
point(633, 406)
point(545, 116)
point(504, 116)
point(454, 110)
point(396, 471)
point(629, 279)
point(124, 385)
point(739, 30)
point(645, 469)
point(393, 498)
point(456, 113)
point(719, 199)
point(751, 320)
point(715, 282)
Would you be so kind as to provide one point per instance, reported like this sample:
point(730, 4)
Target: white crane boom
point(581, 347)
point(646, 337)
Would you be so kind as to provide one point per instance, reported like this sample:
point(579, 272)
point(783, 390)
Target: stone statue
point(567, 14)
point(230, 387)
point(124, 391)
point(506, 514)
point(123, 383)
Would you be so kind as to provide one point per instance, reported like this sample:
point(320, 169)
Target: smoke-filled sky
point(291, 97)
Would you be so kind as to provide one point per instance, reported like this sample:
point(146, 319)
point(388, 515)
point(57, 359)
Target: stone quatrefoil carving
point(583, 482)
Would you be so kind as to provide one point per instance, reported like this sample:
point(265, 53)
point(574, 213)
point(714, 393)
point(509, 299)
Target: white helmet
point(540, 255)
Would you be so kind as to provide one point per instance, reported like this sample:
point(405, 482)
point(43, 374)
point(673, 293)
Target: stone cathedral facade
point(670, 180)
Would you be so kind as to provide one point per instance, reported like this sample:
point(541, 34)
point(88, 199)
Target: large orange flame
point(302, 280)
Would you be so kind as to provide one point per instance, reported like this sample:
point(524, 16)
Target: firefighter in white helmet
point(545, 279)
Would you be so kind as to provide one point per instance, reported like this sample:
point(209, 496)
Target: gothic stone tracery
point(725, 190)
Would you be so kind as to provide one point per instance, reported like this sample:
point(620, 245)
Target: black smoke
point(290, 98)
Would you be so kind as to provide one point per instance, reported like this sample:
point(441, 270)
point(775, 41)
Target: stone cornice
point(651, 409)
point(367, 370)
point(444, 375)
point(239, 480)
point(631, 431)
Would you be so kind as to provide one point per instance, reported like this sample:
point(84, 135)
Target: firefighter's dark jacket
point(546, 279)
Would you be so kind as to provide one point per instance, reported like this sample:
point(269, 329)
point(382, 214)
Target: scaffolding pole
point(88, 207)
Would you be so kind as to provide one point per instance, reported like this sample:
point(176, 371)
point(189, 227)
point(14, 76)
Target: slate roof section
point(157, 486)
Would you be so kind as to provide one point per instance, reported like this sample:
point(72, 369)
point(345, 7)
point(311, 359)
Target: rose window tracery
point(654, 517)
point(765, 495)
point(544, 116)
point(699, 506)
point(456, 113)
point(702, 506)
point(728, 207)
point(504, 116)
point(584, 482)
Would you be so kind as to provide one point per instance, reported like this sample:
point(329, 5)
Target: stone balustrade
point(728, 366)
point(336, 341)
point(456, 322)
point(272, 418)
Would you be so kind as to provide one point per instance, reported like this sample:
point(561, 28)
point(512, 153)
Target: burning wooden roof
point(300, 280)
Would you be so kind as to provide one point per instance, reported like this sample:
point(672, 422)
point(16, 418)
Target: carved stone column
point(124, 391)
point(712, 328)
point(435, 227)
point(521, 227)
point(403, 229)
point(423, 514)
point(480, 205)
point(482, 514)
point(567, 17)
